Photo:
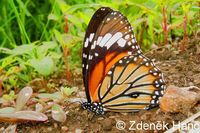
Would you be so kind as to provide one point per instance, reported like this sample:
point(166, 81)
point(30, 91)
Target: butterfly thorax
point(95, 107)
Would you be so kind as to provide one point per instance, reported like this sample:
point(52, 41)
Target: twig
point(193, 117)
point(165, 46)
point(190, 87)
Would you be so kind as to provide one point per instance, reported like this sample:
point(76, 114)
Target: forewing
point(92, 28)
point(109, 37)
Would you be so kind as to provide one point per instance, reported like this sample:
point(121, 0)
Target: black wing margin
point(93, 26)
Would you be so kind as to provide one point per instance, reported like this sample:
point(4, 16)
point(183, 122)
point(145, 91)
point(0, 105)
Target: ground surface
point(179, 68)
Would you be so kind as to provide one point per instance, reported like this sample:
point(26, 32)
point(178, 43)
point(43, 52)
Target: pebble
point(64, 128)
point(100, 118)
point(178, 99)
point(49, 128)
point(112, 117)
point(191, 84)
point(2, 129)
point(107, 124)
point(78, 131)
point(55, 125)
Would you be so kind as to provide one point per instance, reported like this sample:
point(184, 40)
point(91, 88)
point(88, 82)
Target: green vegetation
point(39, 38)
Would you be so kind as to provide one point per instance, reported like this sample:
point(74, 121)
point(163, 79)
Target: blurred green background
point(39, 38)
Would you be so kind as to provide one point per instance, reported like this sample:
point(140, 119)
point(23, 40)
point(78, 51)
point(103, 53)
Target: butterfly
point(117, 76)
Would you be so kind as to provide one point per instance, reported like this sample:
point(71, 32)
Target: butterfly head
point(95, 107)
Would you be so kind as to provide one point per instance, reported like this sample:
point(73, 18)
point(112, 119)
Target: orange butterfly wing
point(106, 42)
point(99, 72)
point(132, 84)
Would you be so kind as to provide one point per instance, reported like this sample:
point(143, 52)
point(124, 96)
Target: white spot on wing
point(157, 85)
point(105, 39)
point(132, 36)
point(156, 92)
point(86, 43)
point(90, 57)
point(155, 73)
point(84, 55)
point(91, 36)
point(162, 92)
point(108, 19)
point(127, 37)
point(133, 40)
point(94, 45)
point(129, 53)
point(121, 42)
point(114, 38)
point(99, 40)
point(131, 56)
point(162, 86)
point(96, 54)
point(110, 72)
point(152, 101)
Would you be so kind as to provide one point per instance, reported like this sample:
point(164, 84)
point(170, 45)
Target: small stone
point(64, 128)
point(55, 125)
point(112, 117)
point(176, 81)
point(190, 73)
point(191, 84)
point(100, 118)
point(178, 99)
point(78, 131)
point(49, 128)
point(2, 129)
point(107, 125)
